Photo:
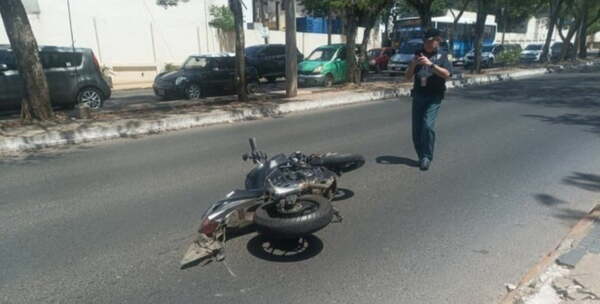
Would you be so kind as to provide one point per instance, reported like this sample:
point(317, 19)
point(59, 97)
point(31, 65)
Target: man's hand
point(423, 60)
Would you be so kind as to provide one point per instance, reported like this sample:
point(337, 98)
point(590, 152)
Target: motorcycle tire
point(341, 163)
point(271, 222)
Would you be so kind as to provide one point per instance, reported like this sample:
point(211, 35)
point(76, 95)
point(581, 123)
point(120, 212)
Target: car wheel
point(252, 87)
point(329, 81)
point(91, 97)
point(193, 92)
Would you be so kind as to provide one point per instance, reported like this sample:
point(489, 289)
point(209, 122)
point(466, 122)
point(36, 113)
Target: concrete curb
point(132, 127)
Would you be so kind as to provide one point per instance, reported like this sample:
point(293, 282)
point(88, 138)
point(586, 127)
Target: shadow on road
point(343, 194)
point(580, 91)
point(395, 160)
point(591, 121)
point(584, 181)
point(549, 200)
point(285, 251)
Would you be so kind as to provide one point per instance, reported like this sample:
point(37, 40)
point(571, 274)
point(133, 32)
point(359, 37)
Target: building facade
point(137, 38)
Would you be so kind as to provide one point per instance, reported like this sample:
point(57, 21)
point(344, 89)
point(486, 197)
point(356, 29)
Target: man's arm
point(440, 71)
point(410, 71)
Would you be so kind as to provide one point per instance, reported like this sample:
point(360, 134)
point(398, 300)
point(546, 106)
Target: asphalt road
point(516, 165)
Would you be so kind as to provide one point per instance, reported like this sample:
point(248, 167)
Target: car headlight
point(318, 69)
point(180, 80)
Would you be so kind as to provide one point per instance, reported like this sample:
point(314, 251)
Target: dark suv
point(269, 60)
point(73, 77)
point(203, 76)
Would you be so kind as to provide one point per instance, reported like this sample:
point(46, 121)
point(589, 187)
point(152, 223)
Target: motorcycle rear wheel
point(317, 214)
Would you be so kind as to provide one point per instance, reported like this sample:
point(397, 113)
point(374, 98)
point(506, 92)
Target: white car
point(532, 53)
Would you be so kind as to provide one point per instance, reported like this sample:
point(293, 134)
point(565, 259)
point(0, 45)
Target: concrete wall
point(537, 29)
point(129, 34)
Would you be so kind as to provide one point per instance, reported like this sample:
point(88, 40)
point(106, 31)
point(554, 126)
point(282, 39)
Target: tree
point(483, 7)
point(591, 15)
point(240, 64)
point(36, 102)
point(554, 6)
point(222, 18)
point(423, 8)
point(461, 5)
point(291, 50)
point(577, 16)
point(371, 15)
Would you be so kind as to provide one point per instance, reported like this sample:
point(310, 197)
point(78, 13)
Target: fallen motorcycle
point(286, 196)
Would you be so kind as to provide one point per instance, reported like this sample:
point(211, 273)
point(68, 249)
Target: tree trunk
point(351, 29)
point(365, 41)
point(329, 28)
point(240, 63)
point(291, 50)
point(574, 29)
point(583, 34)
point(36, 102)
point(479, 30)
point(554, 10)
point(425, 15)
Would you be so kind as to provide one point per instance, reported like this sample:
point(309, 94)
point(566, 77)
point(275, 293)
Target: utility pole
point(504, 21)
point(153, 47)
point(207, 25)
point(291, 50)
point(98, 40)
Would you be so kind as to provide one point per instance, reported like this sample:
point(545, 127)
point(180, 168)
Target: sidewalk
point(156, 117)
point(571, 274)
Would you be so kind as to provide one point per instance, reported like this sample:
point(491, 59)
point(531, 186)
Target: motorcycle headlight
point(180, 80)
point(318, 69)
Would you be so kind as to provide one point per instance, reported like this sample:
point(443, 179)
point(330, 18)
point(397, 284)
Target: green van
point(326, 66)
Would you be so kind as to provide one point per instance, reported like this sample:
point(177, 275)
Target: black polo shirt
point(436, 85)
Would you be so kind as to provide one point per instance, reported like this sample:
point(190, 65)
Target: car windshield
point(534, 47)
point(487, 48)
point(195, 63)
point(374, 53)
point(324, 54)
point(253, 50)
point(410, 48)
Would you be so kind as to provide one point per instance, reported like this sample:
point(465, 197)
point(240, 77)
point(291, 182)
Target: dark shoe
point(424, 164)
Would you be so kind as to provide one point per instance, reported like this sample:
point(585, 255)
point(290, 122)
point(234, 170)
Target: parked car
point(326, 66)
point(401, 59)
point(556, 49)
point(379, 58)
point(532, 53)
point(73, 76)
point(269, 60)
point(203, 76)
point(492, 55)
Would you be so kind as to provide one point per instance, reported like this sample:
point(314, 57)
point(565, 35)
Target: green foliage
point(222, 18)
point(403, 9)
point(509, 57)
point(169, 67)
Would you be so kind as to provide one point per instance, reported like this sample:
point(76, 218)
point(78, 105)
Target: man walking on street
point(430, 69)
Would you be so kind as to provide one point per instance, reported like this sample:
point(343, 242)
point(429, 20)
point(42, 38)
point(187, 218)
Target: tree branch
point(594, 19)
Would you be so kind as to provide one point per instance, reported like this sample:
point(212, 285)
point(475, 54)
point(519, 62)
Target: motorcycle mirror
point(253, 144)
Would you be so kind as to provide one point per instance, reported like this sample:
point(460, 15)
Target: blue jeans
point(424, 112)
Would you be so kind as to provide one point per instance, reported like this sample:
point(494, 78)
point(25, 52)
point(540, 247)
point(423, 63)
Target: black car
point(73, 77)
point(269, 60)
point(203, 76)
